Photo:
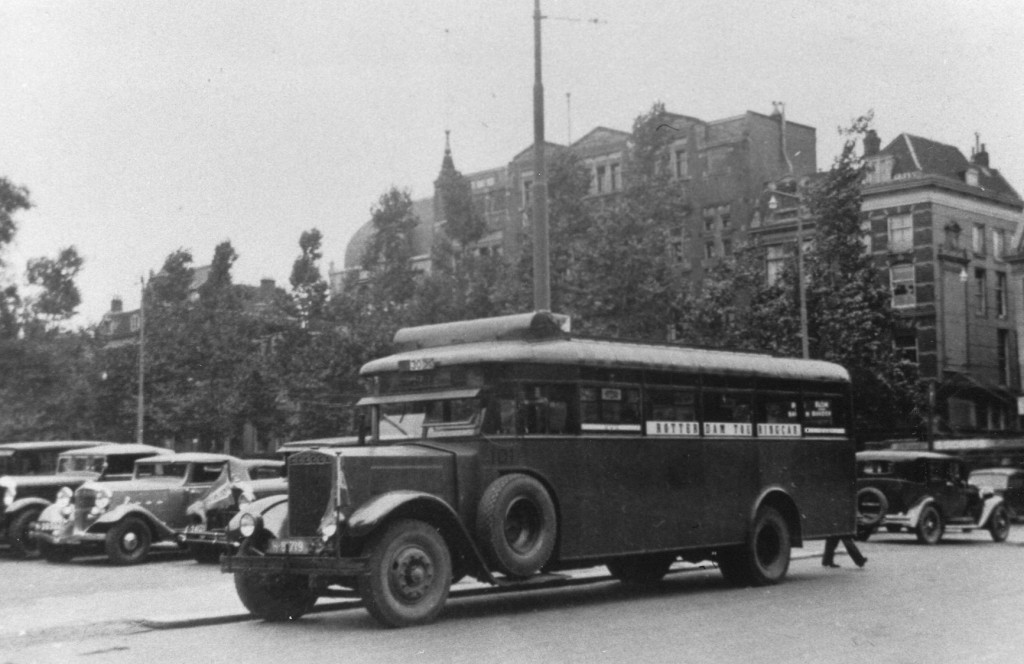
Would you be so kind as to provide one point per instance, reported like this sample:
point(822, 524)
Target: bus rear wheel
point(764, 558)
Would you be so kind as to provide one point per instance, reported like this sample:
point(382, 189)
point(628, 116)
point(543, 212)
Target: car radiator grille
point(84, 501)
point(310, 476)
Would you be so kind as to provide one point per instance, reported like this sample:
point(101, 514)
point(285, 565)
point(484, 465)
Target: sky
point(145, 126)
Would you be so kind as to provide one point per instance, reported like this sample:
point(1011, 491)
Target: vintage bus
point(509, 449)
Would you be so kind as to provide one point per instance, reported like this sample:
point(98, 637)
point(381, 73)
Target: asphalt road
point(960, 601)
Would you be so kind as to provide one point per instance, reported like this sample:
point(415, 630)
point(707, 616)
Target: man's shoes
point(862, 562)
point(829, 564)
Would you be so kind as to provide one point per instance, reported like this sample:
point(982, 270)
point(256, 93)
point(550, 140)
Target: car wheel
point(764, 558)
point(22, 545)
point(274, 597)
point(642, 570)
point(516, 525)
point(54, 553)
point(929, 526)
point(999, 524)
point(128, 541)
point(410, 574)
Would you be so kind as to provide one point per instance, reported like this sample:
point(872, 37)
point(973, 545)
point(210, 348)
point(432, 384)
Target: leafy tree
point(13, 198)
point(388, 255)
point(850, 320)
point(626, 278)
point(60, 296)
point(308, 288)
point(171, 285)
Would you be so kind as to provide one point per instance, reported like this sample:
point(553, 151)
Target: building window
point(134, 323)
point(527, 198)
point(616, 177)
point(998, 242)
point(980, 286)
point(682, 165)
point(901, 232)
point(709, 249)
point(1001, 294)
point(1003, 350)
point(978, 239)
point(600, 179)
point(901, 280)
point(865, 235)
point(906, 347)
point(709, 220)
point(725, 217)
point(952, 236)
point(775, 263)
point(726, 247)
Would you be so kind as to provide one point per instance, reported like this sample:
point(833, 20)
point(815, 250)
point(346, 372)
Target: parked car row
point(71, 498)
point(928, 494)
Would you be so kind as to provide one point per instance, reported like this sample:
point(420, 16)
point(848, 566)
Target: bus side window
point(501, 415)
point(546, 410)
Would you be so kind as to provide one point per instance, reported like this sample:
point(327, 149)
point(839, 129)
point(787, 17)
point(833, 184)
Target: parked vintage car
point(1006, 482)
point(37, 457)
point(924, 493)
point(26, 496)
point(240, 482)
point(126, 518)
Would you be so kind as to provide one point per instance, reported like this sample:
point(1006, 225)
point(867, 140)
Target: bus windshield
point(425, 419)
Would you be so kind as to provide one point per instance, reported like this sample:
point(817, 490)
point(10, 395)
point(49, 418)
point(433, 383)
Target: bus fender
point(914, 513)
point(776, 496)
point(986, 511)
point(425, 507)
point(107, 520)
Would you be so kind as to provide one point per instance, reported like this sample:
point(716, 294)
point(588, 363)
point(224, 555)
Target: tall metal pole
point(139, 422)
point(541, 266)
point(801, 285)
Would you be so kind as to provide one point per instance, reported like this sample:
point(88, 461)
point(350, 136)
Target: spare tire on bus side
point(516, 525)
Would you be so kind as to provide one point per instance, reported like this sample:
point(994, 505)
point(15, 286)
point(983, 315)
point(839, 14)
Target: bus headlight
point(247, 525)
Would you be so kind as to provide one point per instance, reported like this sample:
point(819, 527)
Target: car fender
point(989, 506)
point(271, 512)
point(112, 516)
point(914, 513)
point(778, 497)
point(21, 504)
point(426, 507)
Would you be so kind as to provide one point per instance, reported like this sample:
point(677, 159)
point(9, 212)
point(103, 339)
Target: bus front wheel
point(764, 558)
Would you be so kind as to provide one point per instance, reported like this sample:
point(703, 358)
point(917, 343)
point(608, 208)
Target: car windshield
point(81, 464)
point(440, 417)
point(204, 473)
point(990, 480)
point(143, 470)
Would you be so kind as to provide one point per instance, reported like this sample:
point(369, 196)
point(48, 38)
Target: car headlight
point(102, 501)
point(247, 525)
point(64, 496)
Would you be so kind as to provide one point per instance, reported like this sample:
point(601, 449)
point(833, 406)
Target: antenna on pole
point(541, 265)
point(568, 116)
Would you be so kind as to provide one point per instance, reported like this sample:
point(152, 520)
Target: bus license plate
point(289, 546)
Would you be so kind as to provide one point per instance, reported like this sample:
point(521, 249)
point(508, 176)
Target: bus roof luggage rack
point(533, 326)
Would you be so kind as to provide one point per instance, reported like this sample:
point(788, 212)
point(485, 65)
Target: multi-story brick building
point(722, 166)
point(941, 228)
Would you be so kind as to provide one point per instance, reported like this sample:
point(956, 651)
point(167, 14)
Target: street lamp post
point(139, 422)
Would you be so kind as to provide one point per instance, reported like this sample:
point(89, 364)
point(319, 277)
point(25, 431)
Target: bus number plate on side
point(289, 546)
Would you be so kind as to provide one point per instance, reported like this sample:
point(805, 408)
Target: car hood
point(133, 487)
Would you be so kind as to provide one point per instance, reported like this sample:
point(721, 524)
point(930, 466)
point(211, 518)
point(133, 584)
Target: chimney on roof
point(981, 157)
point(871, 143)
point(116, 305)
point(266, 287)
